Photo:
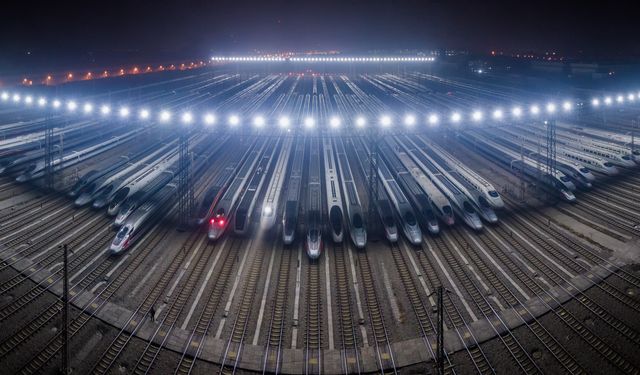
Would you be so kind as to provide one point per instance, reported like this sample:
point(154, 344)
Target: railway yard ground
point(552, 287)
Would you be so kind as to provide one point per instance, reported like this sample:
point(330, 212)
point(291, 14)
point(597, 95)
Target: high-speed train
point(469, 175)
point(332, 186)
point(313, 243)
point(554, 179)
point(292, 197)
point(567, 154)
point(417, 198)
point(224, 209)
point(383, 205)
point(141, 220)
point(272, 196)
point(244, 213)
point(355, 219)
point(439, 201)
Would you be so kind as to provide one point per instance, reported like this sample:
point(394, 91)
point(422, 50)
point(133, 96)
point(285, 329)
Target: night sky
point(65, 30)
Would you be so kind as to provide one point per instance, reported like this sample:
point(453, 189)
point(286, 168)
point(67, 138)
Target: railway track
point(313, 331)
point(177, 305)
point(193, 346)
point(54, 345)
point(275, 336)
point(557, 350)
point(233, 350)
point(350, 350)
point(455, 320)
point(569, 319)
point(384, 352)
point(520, 356)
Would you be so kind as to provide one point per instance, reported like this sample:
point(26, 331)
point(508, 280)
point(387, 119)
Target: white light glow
point(361, 122)
point(567, 106)
point(144, 114)
point(268, 210)
point(409, 120)
point(88, 108)
point(259, 121)
point(476, 116)
point(57, 103)
point(284, 122)
point(334, 122)
point(551, 108)
point(234, 120)
point(456, 117)
point(608, 100)
point(5, 96)
point(209, 119)
point(631, 97)
point(124, 112)
point(309, 122)
point(16, 98)
point(433, 119)
point(385, 121)
point(165, 116)
point(71, 106)
point(105, 110)
point(535, 109)
point(595, 102)
point(620, 99)
point(516, 111)
point(187, 118)
point(42, 102)
point(28, 100)
point(497, 114)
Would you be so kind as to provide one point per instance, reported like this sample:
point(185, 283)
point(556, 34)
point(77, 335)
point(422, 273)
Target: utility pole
point(65, 311)
point(551, 147)
point(440, 342)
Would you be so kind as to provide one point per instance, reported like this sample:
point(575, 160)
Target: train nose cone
point(82, 200)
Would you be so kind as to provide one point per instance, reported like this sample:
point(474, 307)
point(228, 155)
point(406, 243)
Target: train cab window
point(467, 207)
point(357, 221)
point(584, 170)
point(388, 220)
point(409, 218)
point(122, 233)
point(313, 235)
point(494, 194)
point(565, 179)
point(607, 164)
point(626, 157)
point(447, 210)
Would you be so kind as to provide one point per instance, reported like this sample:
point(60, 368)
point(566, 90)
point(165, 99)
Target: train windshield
point(494, 194)
point(584, 170)
point(122, 233)
point(467, 207)
point(564, 179)
point(607, 164)
point(357, 221)
point(313, 235)
point(447, 210)
point(409, 218)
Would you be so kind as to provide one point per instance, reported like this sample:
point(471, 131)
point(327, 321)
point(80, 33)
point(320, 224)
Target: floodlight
point(608, 100)
point(258, 121)
point(566, 106)
point(334, 122)
point(187, 118)
point(234, 120)
point(56, 103)
point(42, 102)
point(456, 117)
point(16, 98)
point(88, 108)
point(433, 119)
point(476, 116)
point(144, 114)
point(4, 96)
point(497, 114)
point(309, 122)
point(284, 122)
point(105, 110)
point(385, 120)
point(71, 106)
point(516, 111)
point(209, 119)
point(124, 112)
point(595, 102)
point(28, 100)
point(535, 109)
point(620, 99)
point(551, 107)
point(409, 120)
point(165, 116)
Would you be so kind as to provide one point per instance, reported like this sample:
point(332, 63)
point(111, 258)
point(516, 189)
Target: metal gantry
point(551, 147)
point(185, 186)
